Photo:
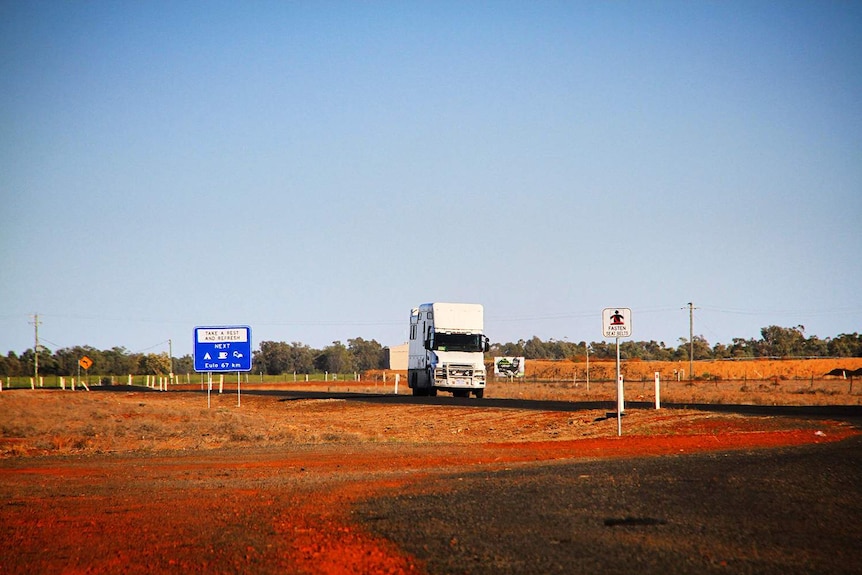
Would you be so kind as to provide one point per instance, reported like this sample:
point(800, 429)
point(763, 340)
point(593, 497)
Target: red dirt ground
point(231, 506)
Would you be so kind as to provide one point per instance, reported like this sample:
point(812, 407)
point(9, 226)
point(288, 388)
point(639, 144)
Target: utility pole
point(588, 367)
point(36, 347)
point(691, 309)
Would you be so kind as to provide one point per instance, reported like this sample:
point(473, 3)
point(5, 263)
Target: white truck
point(446, 349)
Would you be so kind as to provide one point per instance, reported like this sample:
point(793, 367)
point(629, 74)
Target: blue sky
point(315, 169)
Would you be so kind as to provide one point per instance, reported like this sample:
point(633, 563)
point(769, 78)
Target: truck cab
point(446, 349)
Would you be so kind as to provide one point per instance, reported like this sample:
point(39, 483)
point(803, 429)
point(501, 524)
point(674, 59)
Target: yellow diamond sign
point(85, 362)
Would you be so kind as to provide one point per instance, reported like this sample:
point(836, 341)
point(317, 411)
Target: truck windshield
point(458, 342)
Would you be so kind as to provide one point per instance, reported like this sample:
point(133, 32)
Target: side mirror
point(487, 345)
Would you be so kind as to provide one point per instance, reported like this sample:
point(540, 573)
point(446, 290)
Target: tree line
point(774, 342)
point(272, 358)
point(278, 357)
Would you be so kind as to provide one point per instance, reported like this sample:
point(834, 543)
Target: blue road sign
point(223, 348)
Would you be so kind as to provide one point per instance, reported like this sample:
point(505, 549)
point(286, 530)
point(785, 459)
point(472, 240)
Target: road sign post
point(222, 349)
point(617, 323)
point(86, 363)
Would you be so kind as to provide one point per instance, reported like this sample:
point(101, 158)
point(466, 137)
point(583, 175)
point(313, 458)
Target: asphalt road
point(848, 412)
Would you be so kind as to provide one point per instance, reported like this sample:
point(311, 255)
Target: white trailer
point(446, 349)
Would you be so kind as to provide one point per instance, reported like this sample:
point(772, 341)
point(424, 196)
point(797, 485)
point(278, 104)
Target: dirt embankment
point(718, 370)
point(750, 370)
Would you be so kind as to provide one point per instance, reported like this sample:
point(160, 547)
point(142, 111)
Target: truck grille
point(454, 374)
point(460, 370)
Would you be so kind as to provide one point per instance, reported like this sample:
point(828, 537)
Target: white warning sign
point(617, 322)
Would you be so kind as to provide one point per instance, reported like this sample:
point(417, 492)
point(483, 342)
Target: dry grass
point(34, 422)
point(51, 422)
point(817, 392)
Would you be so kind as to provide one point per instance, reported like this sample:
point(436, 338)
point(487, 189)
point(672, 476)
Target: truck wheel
point(479, 393)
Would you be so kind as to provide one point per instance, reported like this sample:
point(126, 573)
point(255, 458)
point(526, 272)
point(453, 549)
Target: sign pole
point(616, 323)
point(619, 393)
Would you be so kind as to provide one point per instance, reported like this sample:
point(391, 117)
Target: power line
point(167, 341)
point(54, 343)
point(799, 312)
point(564, 315)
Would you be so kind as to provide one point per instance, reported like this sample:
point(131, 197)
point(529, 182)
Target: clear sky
point(315, 169)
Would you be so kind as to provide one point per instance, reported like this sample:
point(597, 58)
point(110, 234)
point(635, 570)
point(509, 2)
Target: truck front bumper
point(459, 377)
